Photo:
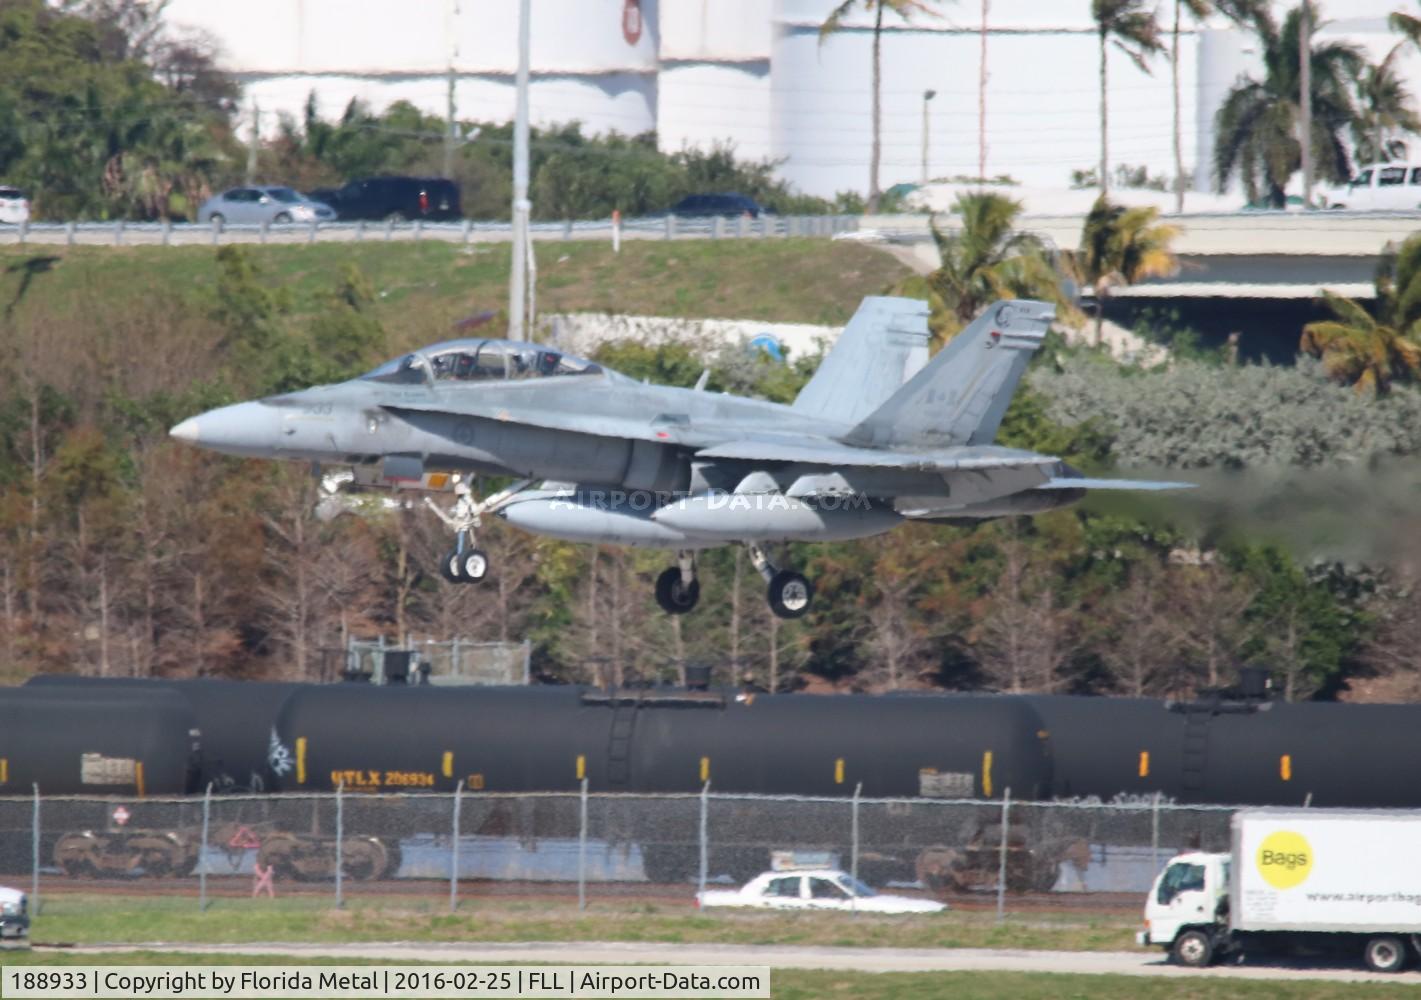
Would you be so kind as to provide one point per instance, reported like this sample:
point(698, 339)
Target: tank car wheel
point(449, 567)
point(363, 858)
point(790, 594)
point(1385, 953)
point(394, 857)
point(474, 566)
point(674, 596)
point(1194, 949)
point(74, 855)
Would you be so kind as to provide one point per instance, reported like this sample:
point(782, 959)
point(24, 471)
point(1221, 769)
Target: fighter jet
point(879, 436)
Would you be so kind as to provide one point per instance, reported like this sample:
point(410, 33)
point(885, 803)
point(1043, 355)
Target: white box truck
point(1297, 881)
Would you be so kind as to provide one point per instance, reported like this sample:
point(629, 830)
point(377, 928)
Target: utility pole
point(928, 95)
point(1305, 101)
point(982, 99)
point(254, 145)
point(451, 126)
point(518, 275)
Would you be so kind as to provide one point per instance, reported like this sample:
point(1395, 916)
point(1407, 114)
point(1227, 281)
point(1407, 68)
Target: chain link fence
point(973, 853)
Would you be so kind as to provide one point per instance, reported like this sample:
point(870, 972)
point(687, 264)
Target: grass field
point(798, 280)
point(795, 984)
point(81, 919)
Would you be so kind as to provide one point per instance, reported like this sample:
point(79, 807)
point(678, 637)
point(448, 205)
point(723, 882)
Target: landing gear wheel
point(449, 568)
point(674, 596)
point(790, 594)
point(473, 566)
point(1385, 953)
point(1196, 949)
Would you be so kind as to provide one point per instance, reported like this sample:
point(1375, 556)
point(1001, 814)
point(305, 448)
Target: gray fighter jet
point(877, 437)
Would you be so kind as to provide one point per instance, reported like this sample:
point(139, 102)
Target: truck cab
point(14, 915)
point(1186, 907)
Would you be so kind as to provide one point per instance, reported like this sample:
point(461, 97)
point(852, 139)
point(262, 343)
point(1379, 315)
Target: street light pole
point(928, 95)
point(518, 274)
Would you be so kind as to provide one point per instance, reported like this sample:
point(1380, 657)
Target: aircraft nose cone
point(186, 431)
point(241, 429)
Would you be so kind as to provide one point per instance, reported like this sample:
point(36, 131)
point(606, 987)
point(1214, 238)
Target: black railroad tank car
point(89, 742)
point(548, 739)
point(234, 717)
point(1232, 752)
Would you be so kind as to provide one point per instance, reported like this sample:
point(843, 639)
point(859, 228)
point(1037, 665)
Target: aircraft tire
point(474, 566)
point(449, 568)
point(790, 594)
point(674, 597)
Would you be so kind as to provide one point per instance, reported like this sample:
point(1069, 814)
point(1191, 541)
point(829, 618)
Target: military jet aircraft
point(877, 437)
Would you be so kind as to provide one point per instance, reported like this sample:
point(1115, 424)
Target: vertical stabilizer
point(884, 344)
point(962, 394)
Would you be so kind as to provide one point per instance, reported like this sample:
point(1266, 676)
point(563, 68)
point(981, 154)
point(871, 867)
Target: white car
point(14, 914)
point(14, 206)
point(820, 889)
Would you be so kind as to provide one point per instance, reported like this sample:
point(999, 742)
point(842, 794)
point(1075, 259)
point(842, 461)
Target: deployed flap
point(884, 344)
point(960, 397)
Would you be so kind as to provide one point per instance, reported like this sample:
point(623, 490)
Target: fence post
point(340, 851)
point(582, 850)
point(670, 226)
point(705, 839)
point(454, 849)
point(118, 233)
point(1002, 861)
point(167, 231)
point(34, 860)
point(69, 230)
point(216, 232)
point(202, 852)
point(854, 846)
point(311, 233)
point(468, 231)
point(1154, 833)
point(360, 231)
point(717, 227)
point(616, 230)
point(567, 229)
point(742, 226)
point(24, 230)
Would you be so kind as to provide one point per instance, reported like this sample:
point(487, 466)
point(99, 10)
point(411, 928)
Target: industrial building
point(756, 74)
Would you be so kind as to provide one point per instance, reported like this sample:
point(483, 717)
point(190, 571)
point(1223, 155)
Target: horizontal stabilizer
point(1068, 483)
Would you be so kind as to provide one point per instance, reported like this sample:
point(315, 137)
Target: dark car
point(394, 198)
point(707, 205)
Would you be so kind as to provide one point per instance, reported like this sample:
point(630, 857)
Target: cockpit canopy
point(481, 361)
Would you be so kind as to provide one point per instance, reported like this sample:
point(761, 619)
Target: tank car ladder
point(619, 741)
point(1195, 757)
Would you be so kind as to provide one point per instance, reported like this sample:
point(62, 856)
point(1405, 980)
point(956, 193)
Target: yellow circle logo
point(1284, 859)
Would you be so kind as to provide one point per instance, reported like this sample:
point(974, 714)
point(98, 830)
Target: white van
point(1379, 187)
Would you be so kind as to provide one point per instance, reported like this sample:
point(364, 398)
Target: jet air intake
point(777, 517)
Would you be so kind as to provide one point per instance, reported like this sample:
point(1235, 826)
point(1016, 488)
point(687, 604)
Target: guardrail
point(166, 233)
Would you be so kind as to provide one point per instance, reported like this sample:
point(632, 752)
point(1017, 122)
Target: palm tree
point(1238, 11)
point(1121, 246)
point(989, 259)
point(1372, 351)
point(905, 9)
point(1386, 109)
point(1134, 31)
point(1257, 125)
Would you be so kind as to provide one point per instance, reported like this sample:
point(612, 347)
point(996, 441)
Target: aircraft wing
point(831, 453)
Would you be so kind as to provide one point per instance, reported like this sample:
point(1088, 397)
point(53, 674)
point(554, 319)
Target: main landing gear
point(788, 593)
point(467, 563)
point(677, 589)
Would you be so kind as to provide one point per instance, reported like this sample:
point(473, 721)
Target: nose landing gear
point(467, 563)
